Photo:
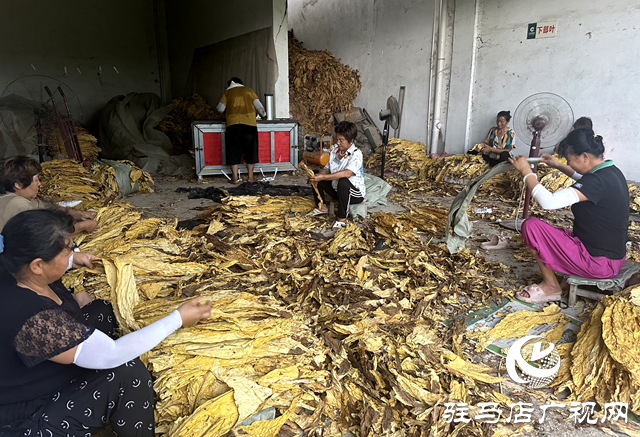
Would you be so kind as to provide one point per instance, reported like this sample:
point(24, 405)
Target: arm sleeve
point(557, 200)
point(48, 333)
point(99, 351)
point(259, 108)
point(221, 107)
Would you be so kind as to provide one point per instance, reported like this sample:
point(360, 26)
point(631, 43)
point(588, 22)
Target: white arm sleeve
point(576, 176)
point(259, 108)
point(221, 107)
point(559, 199)
point(99, 351)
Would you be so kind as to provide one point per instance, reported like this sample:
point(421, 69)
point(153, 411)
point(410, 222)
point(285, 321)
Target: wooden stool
point(611, 285)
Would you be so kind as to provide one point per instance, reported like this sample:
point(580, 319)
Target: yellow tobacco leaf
point(212, 419)
point(475, 371)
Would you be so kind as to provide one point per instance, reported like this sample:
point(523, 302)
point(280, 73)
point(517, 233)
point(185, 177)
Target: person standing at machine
point(241, 103)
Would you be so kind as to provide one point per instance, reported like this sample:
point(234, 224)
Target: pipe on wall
point(442, 58)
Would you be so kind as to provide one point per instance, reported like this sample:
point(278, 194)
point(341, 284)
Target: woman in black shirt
point(60, 375)
point(599, 200)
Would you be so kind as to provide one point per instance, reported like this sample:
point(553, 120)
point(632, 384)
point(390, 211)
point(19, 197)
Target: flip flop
point(501, 244)
point(492, 242)
point(239, 181)
point(536, 295)
point(318, 212)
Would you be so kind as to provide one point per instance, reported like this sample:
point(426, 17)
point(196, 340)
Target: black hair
point(581, 141)
point(38, 233)
point(583, 122)
point(348, 130)
point(236, 80)
point(17, 169)
point(505, 114)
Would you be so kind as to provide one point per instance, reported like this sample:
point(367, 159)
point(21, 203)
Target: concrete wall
point(83, 37)
point(388, 41)
point(592, 63)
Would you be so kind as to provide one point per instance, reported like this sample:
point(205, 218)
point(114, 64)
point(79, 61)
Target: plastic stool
point(611, 285)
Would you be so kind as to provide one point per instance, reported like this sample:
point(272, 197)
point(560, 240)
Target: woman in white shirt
point(343, 177)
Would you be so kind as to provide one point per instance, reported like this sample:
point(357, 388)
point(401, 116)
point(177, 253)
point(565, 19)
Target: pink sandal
point(502, 243)
point(537, 295)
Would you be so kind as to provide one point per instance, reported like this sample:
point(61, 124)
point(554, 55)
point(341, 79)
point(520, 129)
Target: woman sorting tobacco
point(343, 177)
point(59, 373)
point(599, 200)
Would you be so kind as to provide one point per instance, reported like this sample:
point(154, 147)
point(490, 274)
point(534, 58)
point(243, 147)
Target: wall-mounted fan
point(43, 107)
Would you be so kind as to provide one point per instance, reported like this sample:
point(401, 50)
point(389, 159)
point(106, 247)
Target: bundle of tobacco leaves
point(319, 86)
point(402, 155)
point(177, 124)
point(634, 198)
point(65, 180)
point(54, 145)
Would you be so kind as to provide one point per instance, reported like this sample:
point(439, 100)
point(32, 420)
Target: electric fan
point(542, 118)
point(43, 106)
point(391, 118)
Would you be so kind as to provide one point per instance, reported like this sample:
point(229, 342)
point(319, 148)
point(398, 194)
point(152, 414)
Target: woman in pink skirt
point(599, 200)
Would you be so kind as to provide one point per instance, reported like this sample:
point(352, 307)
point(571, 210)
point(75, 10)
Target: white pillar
point(281, 42)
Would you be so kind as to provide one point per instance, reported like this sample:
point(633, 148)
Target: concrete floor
point(165, 202)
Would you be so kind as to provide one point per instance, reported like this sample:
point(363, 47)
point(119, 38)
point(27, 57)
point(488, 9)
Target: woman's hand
point(316, 178)
point(88, 215)
point(521, 164)
point(83, 298)
point(486, 149)
point(549, 160)
point(82, 259)
point(194, 310)
point(87, 225)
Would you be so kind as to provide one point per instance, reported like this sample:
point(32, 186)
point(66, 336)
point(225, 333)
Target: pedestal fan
point(44, 107)
point(544, 119)
point(391, 118)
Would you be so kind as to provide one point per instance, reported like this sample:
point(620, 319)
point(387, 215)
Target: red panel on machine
point(212, 144)
point(264, 147)
point(282, 147)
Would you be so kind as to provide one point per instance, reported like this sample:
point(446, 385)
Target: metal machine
point(314, 150)
point(277, 146)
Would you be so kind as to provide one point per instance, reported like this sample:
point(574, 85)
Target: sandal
point(318, 212)
point(492, 242)
point(501, 244)
point(537, 295)
point(232, 182)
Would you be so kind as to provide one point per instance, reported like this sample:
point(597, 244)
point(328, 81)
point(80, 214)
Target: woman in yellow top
point(241, 136)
